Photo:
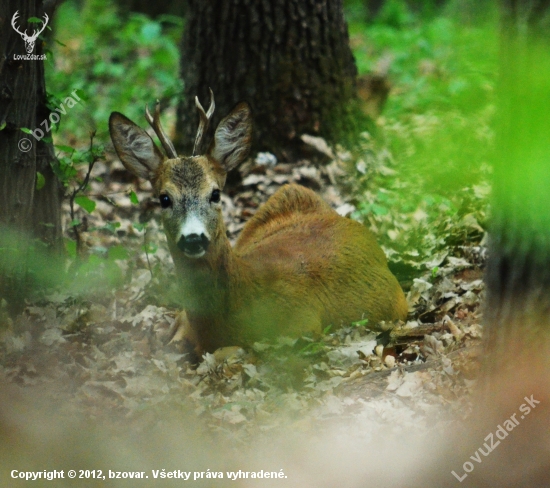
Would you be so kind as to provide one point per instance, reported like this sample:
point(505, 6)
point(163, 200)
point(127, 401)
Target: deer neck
point(206, 281)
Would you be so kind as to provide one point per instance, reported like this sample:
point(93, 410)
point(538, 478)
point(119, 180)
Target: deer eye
point(165, 201)
point(215, 196)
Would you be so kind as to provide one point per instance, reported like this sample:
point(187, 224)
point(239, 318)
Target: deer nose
point(193, 245)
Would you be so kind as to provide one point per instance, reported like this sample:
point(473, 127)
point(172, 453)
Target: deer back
point(305, 261)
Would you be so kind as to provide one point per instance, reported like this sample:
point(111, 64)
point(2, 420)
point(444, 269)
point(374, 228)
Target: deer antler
point(13, 19)
point(155, 124)
point(204, 120)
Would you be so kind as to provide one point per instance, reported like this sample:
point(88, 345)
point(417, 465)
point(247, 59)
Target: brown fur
point(291, 272)
point(296, 268)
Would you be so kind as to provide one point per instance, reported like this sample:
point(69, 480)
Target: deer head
point(29, 40)
point(188, 188)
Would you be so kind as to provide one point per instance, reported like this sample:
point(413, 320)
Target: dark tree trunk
point(518, 277)
point(517, 312)
point(522, 16)
point(290, 59)
point(23, 104)
point(23, 209)
point(373, 8)
point(515, 381)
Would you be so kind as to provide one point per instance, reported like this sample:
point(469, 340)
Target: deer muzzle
point(193, 245)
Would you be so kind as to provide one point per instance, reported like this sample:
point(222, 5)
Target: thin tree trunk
point(23, 209)
point(520, 17)
point(518, 276)
point(290, 59)
point(505, 442)
point(516, 365)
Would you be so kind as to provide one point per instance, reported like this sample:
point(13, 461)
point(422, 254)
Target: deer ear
point(233, 137)
point(134, 147)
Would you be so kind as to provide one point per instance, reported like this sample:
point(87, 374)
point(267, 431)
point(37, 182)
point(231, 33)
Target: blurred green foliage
point(433, 63)
point(421, 181)
point(30, 271)
point(118, 63)
point(522, 162)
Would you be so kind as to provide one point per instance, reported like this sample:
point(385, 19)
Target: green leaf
point(139, 226)
point(3, 126)
point(82, 94)
point(70, 246)
point(118, 252)
point(360, 323)
point(150, 31)
point(379, 210)
point(150, 248)
point(109, 227)
point(50, 57)
point(59, 42)
point(77, 157)
point(25, 130)
point(40, 180)
point(74, 223)
point(84, 202)
point(133, 197)
point(67, 149)
point(34, 20)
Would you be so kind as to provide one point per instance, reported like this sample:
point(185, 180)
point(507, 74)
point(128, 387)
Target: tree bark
point(517, 312)
point(23, 209)
point(518, 276)
point(515, 380)
point(525, 16)
point(290, 59)
point(23, 104)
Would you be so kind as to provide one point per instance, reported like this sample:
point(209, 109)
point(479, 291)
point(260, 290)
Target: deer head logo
point(29, 40)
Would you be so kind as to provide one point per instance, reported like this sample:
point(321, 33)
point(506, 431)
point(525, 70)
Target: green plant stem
point(77, 190)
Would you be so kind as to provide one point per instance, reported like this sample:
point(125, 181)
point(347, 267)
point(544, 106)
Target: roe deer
point(297, 266)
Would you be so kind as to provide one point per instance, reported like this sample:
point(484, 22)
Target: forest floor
point(104, 354)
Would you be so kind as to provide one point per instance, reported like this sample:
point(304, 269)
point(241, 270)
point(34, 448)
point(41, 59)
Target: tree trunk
point(514, 389)
point(23, 209)
point(518, 276)
point(517, 312)
point(373, 8)
point(290, 59)
point(522, 16)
